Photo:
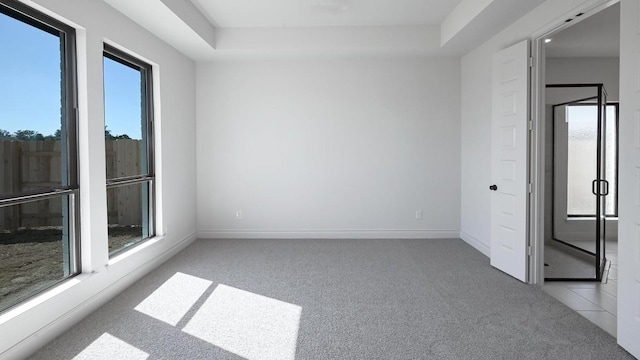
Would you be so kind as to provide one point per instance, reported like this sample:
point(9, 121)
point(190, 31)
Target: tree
point(56, 136)
point(4, 134)
point(109, 136)
point(28, 135)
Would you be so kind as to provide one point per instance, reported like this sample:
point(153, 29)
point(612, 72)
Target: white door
point(629, 183)
point(509, 171)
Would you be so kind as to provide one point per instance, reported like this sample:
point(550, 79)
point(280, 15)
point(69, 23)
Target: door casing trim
point(536, 135)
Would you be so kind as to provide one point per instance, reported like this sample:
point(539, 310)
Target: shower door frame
point(600, 186)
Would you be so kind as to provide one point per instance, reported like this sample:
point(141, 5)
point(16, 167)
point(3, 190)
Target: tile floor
point(595, 301)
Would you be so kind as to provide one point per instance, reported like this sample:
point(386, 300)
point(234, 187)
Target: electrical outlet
point(418, 214)
point(238, 214)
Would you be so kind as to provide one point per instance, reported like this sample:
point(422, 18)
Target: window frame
point(70, 186)
point(146, 70)
point(22, 12)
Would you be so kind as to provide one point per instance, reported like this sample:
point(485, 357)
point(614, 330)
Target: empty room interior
point(320, 179)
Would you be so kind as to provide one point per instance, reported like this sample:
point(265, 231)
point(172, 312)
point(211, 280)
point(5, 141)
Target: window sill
point(37, 300)
point(124, 255)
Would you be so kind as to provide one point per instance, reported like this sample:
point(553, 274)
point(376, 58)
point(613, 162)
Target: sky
point(30, 84)
point(123, 109)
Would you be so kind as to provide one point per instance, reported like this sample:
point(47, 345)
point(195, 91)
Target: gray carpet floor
point(337, 299)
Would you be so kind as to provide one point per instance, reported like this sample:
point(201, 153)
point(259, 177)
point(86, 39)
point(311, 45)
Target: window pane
point(128, 151)
point(125, 126)
point(129, 218)
point(31, 108)
point(582, 159)
point(35, 248)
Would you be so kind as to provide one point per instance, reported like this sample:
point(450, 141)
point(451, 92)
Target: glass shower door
point(583, 169)
point(600, 185)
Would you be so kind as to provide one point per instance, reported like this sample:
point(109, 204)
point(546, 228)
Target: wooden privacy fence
point(124, 203)
point(35, 165)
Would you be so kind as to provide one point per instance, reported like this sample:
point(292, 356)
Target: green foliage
point(109, 136)
point(56, 136)
point(28, 135)
point(22, 135)
point(31, 135)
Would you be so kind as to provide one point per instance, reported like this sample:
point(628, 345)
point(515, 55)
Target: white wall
point(35, 322)
point(329, 148)
point(476, 116)
point(586, 70)
point(628, 328)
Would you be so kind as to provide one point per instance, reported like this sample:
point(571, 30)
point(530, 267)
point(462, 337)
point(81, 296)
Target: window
point(582, 159)
point(38, 153)
point(129, 149)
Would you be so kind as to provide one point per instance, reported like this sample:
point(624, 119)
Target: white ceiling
point(321, 13)
point(218, 29)
point(596, 36)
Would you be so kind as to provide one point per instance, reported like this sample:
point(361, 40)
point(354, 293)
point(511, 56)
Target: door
point(582, 133)
point(629, 202)
point(600, 185)
point(509, 168)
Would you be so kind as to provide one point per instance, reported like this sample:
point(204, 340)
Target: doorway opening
point(574, 162)
point(579, 146)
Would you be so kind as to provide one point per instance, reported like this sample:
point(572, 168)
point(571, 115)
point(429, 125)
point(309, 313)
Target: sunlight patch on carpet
point(246, 324)
point(108, 346)
point(173, 299)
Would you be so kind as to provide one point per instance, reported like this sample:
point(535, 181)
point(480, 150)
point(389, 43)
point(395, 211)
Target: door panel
point(600, 190)
point(629, 201)
point(579, 171)
point(510, 108)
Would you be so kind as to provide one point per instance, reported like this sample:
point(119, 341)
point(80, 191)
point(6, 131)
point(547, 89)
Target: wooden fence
point(33, 165)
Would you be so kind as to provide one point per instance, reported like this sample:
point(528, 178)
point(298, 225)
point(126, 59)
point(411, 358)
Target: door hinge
point(530, 188)
point(530, 61)
point(530, 125)
point(529, 251)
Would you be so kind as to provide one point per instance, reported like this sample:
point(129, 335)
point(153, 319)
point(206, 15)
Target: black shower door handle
point(493, 187)
point(604, 190)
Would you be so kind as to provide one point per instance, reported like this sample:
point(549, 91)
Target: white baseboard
point(113, 287)
point(328, 234)
point(476, 243)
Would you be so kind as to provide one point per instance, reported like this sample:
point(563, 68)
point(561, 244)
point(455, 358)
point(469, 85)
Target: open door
point(629, 205)
point(510, 171)
point(581, 134)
